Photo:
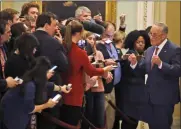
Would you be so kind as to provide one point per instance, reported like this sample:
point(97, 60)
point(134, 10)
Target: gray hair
point(81, 9)
point(163, 26)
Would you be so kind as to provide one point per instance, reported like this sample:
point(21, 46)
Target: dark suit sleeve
point(122, 28)
point(9, 69)
point(93, 27)
point(50, 87)
point(140, 68)
point(173, 68)
point(103, 49)
point(60, 59)
point(3, 85)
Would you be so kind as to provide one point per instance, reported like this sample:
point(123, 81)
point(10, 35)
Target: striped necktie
point(3, 59)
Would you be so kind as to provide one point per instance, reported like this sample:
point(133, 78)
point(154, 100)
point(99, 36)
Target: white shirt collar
point(162, 44)
point(40, 28)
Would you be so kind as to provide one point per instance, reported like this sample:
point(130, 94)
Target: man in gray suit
point(162, 67)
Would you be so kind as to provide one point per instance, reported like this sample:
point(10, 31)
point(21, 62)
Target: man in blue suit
point(163, 68)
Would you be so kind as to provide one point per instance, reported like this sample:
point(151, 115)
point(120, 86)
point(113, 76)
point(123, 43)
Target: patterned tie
point(155, 53)
point(156, 50)
point(2, 59)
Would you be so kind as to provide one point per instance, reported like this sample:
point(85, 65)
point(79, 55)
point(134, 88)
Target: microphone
point(89, 26)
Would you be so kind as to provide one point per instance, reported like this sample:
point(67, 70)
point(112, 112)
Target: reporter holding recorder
point(79, 63)
point(95, 101)
point(29, 97)
point(133, 92)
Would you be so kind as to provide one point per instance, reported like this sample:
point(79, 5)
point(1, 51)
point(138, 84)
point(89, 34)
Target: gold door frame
point(110, 9)
point(110, 12)
point(9, 4)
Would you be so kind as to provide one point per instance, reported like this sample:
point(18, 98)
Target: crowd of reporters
point(88, 53)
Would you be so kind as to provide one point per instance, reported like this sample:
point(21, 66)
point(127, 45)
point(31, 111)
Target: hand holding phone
point(122, 18)
point(68, 87)
point(138, 57)
point(53, 68)
point(90, 58)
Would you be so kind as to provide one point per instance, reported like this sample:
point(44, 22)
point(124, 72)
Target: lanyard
point(109, 49)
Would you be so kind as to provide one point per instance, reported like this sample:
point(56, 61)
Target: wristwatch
point(60, 89)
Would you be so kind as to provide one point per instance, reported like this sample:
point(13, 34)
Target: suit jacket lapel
point(164, 51)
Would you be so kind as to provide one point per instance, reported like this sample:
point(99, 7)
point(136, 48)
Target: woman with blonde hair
point(119, 37)
point(95, 107)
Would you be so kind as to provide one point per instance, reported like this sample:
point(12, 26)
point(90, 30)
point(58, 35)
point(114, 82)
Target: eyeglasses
point(154, 35)
point(109, 36)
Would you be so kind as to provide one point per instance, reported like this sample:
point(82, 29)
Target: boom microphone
point(89, 26)
point(93, 27)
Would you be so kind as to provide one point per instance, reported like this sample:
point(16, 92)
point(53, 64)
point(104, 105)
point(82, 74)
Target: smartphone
point(117, 61)
point(53, 68)
point(93, 54)
point(114, 66)
point(138, 57)
point(57, 98)
point(19, 80)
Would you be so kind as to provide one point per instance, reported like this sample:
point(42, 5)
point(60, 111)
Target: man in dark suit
point(5, 34)
point(83, 14)
point(110, 55)
point(53, 49)
point(9, 82)
point(162, 67)
point(49, 46)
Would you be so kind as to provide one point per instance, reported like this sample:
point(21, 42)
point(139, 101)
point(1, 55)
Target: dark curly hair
point(133, 36)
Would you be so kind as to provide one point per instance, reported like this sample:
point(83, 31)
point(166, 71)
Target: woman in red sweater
point(78, 64)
